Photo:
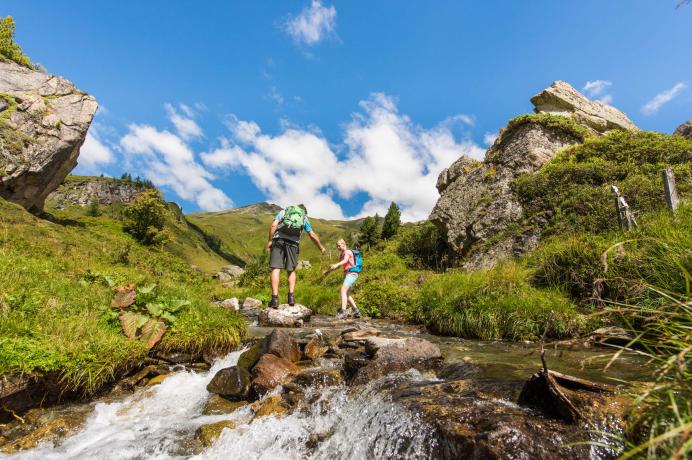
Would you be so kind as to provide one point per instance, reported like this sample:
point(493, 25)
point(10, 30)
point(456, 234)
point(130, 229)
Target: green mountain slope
point(243, 231)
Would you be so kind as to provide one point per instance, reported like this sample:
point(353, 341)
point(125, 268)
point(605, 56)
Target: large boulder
point(270, 372)
point(285, 316)
point(561, 98)
point(684, 130)
point(478, 212)
point(279, 343)
point(43, 123)
point(398, 356)
point(231, 382)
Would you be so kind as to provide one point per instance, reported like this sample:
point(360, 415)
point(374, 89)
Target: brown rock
point(271, 371)
point(249, 303)
point(360, 334)
point(218, 405)
point(328, 377)
point(158, 379)
point(232, 382)
point(314, 349)
point(684, 130)
point(271, 405)
point(207, 434)
point(280, 343)
point(398, 357)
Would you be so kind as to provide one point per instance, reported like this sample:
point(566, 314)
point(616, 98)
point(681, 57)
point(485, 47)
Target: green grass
point(553, 122)
point(55, 291)
point(495, 304)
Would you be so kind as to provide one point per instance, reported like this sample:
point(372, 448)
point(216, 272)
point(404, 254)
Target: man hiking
point(352, 262)
point(284, 238)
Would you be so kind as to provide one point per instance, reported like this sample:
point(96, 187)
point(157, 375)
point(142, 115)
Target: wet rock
point(354, 361)
point(232, 382)
point(231, 304)
point(270, 372)
point(315, 349)
point(360, 334)
point(457, 371)
point(684, 130)
point(49, 431)
point(285, 316)
point(249, 302)
point(177, 358)
point(271, 405)
point(218, 405)
point(43, 132)
point(610, 336)
point(250, 356)
point(398, 357)
point(207, 434)
point(128, 383)
point(372, 344)
point(156, 380)
point(281, 344)
point(328, 377)
point(476, 419)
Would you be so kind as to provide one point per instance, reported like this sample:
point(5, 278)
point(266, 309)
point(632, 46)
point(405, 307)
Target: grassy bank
point(56, 288)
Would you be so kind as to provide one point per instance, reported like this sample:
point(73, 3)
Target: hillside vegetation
point(58, 280)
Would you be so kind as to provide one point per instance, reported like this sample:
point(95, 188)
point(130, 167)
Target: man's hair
point(301, 205)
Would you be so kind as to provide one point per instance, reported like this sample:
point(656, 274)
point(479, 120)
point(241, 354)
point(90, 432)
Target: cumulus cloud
point(313, 24)
point(168, 161)
point(662, 98)
point(597, 89)
point(184, 124)
point(383, 154)
point(94, 153)
point(489, 138)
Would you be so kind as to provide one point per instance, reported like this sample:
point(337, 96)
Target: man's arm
point(272, 230)
point(316, 239)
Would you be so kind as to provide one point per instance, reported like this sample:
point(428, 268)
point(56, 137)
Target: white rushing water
point(159, 423)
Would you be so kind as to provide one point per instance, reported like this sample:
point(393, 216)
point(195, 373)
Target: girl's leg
point(344, 298)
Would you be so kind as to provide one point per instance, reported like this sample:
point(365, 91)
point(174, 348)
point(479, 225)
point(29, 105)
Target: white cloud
point(489, 138)
point(276, 96)
point(185, 124)
point(167, 161)
point(385, 155)
point(663, 98)
point(596, 87)
point(313, 24)
point(94, 152)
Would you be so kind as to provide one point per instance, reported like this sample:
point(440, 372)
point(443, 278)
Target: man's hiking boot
point(291, 299)
point(341, 314)
point(274, 302)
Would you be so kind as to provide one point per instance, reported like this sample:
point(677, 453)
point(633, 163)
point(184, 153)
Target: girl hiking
point(351, 260)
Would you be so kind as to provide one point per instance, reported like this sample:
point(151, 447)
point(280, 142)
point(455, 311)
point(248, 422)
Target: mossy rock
point(218, 405)
point(207, 434)
point(249, 358)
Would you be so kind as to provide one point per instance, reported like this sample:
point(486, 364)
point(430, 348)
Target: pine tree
point(8, 48)
point(369, 233)
point(93, 209)
point(392, 221)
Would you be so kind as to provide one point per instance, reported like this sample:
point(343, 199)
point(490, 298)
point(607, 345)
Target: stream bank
point(463, 406)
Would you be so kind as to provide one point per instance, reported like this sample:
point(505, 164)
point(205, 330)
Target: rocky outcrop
point(477, 210)
point(285, 316)
point(684, 130)
point(42, 126)
point(81, 191)
point(561, 98)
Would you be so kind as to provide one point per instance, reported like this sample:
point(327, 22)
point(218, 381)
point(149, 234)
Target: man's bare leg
point(275, 277)
point(292, 281)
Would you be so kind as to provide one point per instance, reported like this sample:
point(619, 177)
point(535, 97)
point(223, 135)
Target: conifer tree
point(392, 221)
point(369, 233)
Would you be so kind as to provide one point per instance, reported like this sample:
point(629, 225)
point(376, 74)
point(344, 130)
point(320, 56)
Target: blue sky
point(343, 105)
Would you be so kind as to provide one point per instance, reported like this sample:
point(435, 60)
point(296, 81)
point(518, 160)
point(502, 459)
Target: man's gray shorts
point(283, 255)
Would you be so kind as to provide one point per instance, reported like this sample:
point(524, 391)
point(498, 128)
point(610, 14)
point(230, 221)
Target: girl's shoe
point(341, 314)
point(356, 313)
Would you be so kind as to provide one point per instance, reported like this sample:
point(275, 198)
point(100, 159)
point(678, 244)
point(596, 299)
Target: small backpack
point(357, 261)
point(294, 219)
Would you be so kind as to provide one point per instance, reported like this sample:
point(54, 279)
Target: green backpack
point(294, 218)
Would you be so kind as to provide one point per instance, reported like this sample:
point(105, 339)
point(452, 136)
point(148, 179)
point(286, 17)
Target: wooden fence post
point(626, 219)
point(671, 191)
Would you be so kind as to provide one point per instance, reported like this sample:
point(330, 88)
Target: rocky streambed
point(342, 390)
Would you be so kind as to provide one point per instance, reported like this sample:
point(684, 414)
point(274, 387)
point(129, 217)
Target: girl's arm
point(343, 261)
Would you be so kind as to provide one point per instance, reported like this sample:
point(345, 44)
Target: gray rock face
point(561, 98)
point(80, 192)
point(684, 130)
point(477, 209)
point(42, 127)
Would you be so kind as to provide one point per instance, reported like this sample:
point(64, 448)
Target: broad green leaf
point(148, 289)
point(152, 332)
point(168, 317)
point(155, 309)
point(110, 281)
point(129, 321)
point(142, 320)
point(174, 305)
point(123, 298)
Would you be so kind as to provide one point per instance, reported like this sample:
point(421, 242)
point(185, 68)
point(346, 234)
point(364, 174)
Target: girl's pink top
point(350, 262)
